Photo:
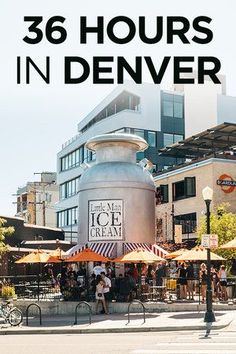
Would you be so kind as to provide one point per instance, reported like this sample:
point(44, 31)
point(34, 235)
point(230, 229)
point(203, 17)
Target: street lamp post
point(207, 193)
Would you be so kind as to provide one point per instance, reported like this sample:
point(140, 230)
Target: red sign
point(226, 183)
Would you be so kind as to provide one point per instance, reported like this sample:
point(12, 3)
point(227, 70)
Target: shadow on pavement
point(60, 321)
point(193, 315)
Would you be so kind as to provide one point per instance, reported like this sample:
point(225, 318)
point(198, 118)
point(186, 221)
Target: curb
point(107, 330)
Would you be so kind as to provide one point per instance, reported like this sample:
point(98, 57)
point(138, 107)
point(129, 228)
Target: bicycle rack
point(27, 313)
point(137, 302)
point(76, 310)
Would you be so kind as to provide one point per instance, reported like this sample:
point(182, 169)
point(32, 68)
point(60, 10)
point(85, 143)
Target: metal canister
point(116, 195)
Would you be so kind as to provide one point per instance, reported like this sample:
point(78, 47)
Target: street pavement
point(191, 342)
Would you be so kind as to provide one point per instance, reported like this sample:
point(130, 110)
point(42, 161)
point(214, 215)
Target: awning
point(128, 246)
point(106, 249)
point(157, 250)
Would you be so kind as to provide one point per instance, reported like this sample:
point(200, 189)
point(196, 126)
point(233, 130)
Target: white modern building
point(145, 110)
point(206, 105)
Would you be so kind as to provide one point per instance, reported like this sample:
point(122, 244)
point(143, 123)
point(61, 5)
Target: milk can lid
point(140, 143)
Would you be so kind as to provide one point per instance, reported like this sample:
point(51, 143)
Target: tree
point(4, 231)
point(223, 223)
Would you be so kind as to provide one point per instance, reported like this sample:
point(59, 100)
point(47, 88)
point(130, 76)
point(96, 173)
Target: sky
point(37, 119)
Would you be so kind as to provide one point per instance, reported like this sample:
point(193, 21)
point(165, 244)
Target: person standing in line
point(190, 280)
point(99, 295)
point(203, 281)
point(182, 281)
point(223, 282)
point(106, 289)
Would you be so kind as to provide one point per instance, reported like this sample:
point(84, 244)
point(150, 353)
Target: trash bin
point(231, 290)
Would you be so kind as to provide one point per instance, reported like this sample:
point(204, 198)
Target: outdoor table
point(158, 292)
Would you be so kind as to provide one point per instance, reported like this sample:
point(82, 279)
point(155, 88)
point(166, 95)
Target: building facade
point(143, 110)
point(36, 201)
point(160, 117)
point(206, 105)
point(181, 205)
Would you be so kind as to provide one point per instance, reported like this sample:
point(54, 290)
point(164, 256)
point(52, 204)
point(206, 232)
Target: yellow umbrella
point(175, 253)
point(139, 255)
point(229, 245)
point(36, 256)
point(198, 253)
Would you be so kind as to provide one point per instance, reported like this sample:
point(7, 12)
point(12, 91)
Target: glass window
point(168, 109)
point(178, 109)
point(86, 155)
point(151, 139)
point(63, 191)
point(139, 132)
point(168, 139)
point(81, 154)
point(177, 138)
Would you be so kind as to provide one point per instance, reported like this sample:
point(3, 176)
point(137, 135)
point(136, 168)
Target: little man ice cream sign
point(105, 220)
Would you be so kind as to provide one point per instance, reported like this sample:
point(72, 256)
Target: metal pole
point(209, 315)
point(173, 222)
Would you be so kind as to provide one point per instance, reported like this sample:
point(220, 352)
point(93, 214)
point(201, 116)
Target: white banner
point(105, 220)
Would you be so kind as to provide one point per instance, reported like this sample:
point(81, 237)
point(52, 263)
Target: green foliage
point(8, 291)
point(4, 231)
point(223, 223)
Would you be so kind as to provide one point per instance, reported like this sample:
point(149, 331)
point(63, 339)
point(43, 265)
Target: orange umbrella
point(198, 253)
point(87, 255)
point(139, 255)
point(176, 253)
point(229, 245)
point(37, 256)
point(53, 259)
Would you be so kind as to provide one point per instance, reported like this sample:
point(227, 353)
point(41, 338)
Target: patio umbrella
point(58, 253)
point(175, 253)
point(139, 255)
point(229, 245)
point(36, 256)
point(87, 255)
point(198, 253)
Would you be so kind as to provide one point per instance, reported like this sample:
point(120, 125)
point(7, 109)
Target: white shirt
point(107, 284)
point(97, 270)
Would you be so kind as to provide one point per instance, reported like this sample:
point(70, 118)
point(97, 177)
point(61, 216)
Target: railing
point(28, 287)
point(88, 306)
point(137, 302)
point(27, 313)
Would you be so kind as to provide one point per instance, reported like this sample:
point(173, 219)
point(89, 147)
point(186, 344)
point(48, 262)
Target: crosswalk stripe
point(181, 351)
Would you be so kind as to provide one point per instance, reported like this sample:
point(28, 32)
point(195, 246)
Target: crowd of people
point(102, 285)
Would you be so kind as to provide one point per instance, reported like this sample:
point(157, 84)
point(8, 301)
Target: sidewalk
point(114, 323)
